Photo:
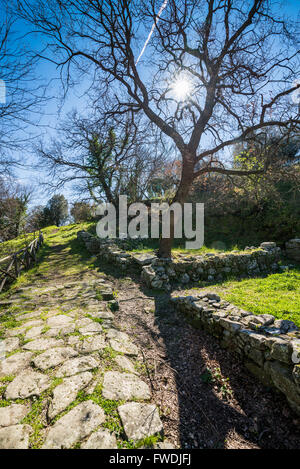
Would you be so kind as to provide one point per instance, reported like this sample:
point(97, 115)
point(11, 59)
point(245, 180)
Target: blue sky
point(52, 114)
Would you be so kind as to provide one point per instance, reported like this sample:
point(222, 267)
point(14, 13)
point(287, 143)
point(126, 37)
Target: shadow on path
point(197, 412)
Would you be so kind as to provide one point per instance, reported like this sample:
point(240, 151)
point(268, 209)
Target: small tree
point(56, 210)
point(36, 219)
point(81, 212)
point(14, 201)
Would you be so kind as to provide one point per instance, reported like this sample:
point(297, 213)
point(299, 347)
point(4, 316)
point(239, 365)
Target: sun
point(181, 88)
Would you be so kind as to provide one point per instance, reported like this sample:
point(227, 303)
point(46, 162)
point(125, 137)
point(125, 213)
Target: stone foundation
point(163, 273)
point(269, 348)
point(209, 267)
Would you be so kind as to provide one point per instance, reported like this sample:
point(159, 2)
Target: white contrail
point(152, 29)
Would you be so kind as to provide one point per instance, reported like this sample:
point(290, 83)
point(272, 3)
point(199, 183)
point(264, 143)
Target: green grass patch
point(277, 294)
point(13, 245)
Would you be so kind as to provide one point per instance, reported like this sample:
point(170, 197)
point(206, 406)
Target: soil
point(230, 409)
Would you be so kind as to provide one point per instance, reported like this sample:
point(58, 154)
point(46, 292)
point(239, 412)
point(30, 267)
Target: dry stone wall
point(292, 248)
point(162, 273)
point(269, 348)
point(165, 273)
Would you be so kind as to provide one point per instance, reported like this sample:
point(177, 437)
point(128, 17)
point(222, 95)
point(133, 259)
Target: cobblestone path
point(68, 377)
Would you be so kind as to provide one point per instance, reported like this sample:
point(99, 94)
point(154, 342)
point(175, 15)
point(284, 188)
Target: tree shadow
point(209, 416)
point(253, 416)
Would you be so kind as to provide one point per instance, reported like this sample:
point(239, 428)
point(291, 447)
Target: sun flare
point(182, 88)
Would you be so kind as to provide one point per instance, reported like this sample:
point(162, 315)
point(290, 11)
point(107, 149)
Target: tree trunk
point(165, 247)
point(188, 163)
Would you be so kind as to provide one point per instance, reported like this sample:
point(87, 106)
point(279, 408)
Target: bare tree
point(102, 158)
point(214, 73)
point(21, 95)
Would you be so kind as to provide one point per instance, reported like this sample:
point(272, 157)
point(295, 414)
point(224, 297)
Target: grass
point(277, 294)
point(53, 236)
point(62, 253)
point(187, 252)
point(8, 247)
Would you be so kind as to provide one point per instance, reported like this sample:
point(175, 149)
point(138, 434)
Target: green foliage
point(14, 201)
point(56, 210)
point(215, 377)
point(260, 207)
point(7, 379)
point(81, 212)
point(113, 305)
point(7, 321)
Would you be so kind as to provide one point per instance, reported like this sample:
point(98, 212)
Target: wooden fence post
point(16, 264)
point(19, 260)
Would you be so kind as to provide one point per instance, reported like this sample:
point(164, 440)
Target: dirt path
point(221, 408)
point(80, 373)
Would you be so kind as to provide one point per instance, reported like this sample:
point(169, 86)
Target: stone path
point(69, 378)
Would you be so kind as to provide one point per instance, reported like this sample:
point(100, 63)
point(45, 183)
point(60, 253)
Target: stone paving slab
point(125, 364)
point(83, 322)
point(14, 364)
point(121, 343)
point(35, 323)
point(124, 386)
point(43, 344)
point(25, 316)
point(59, 320)
point(91, 344)
point(15, 437)
point(15, 332)
point(140, 420)
point(9, 345)
point(102, 314)
point(77, 365)
point(91, 328)
point(54, 357)
point(101, 439)
point(128, 348)
point(26, 384)
point(13, 414)
point(63, 330)
point(34, 332)
point(74, 426)
point(66, 392)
